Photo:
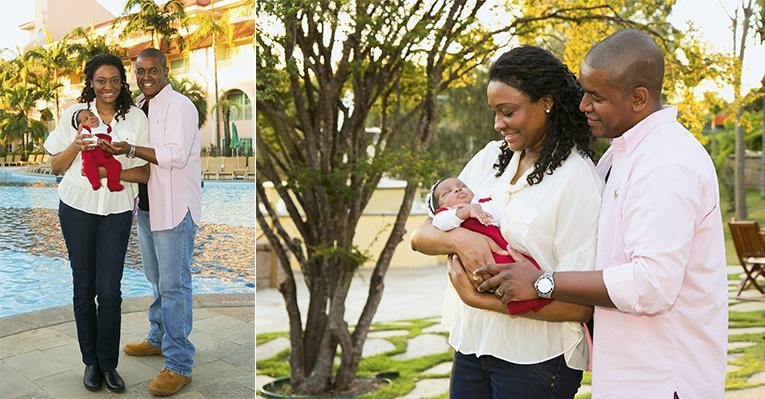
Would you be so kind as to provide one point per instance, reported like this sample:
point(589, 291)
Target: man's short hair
point(632, 59)
point(152, 52)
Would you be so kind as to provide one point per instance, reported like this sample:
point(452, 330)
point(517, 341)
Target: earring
point(547, 110)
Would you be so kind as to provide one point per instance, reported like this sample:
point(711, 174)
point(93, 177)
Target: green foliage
point(159, 20)
point(195, 93)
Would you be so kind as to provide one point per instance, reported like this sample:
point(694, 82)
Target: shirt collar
point(141, 97)
point(628, 141)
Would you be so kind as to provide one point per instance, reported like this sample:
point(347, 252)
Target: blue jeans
point(166, 256)
point(487, 377)
point(96, 246)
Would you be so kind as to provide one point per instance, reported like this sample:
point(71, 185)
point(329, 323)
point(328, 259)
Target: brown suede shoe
point(143, 348)
point(167, 383)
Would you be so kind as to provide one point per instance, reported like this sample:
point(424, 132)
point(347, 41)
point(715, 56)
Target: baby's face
point(87, 118)
point(452, 192)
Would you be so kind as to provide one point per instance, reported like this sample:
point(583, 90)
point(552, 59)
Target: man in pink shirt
point(659, 289)
point(166, 232)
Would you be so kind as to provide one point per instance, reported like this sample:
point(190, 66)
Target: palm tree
point(89, 44)
point(195, 93)
point(221, 30)
point(160, 21)
point(56, 58)
point(16, 121)
point(227, 107)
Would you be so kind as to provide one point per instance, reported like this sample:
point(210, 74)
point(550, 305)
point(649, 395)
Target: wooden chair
point(750, 248)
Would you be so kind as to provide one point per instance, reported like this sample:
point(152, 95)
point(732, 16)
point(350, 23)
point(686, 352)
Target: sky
point(710, 16)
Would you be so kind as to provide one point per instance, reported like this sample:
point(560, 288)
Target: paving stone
point(376, 346)
point(13, 383)
point(756, 378)
point(222, 325)
point(135, 372)
point(271, 348)
point(731, 368)
point(245, 313)
point(68, 355)
point(44, 338)
point(426, 344)
point(747, 330)
point(66, 385)
point(387, 333)
point(748, 306)
point(732, 357)
point(226, 389)
point(12, 345)
point(35, 364)
point(261, 380)
point(442, 368)
point(191, 395)
point(751, 393)
point(435, 328)
point(214, 372)
point(427, 388)
point(737, 345)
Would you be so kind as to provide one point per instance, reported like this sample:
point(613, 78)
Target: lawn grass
point(756, 211)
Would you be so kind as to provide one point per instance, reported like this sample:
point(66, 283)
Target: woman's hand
point(84, 141)
point(474, 251)
point(467, 293)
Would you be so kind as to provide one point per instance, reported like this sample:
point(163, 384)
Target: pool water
point(35, 272)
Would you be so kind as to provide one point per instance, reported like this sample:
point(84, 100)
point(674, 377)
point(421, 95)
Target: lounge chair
point(228, 168)
point(249, 173)
point(17, 161)
point(214, 165)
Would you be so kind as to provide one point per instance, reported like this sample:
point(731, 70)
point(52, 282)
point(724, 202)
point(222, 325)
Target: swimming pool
point(34, 270)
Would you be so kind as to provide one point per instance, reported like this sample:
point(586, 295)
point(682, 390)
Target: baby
point(452, 205)
point(96, 157)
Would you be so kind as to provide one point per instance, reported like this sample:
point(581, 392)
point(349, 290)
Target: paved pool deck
point(40, 358)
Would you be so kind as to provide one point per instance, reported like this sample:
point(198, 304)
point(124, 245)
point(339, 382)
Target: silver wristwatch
point(131, 152)
point(545, 285)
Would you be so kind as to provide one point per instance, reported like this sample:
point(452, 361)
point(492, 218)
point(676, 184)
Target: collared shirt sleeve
point(179, 135)
point(660, 220)
point(63, 135)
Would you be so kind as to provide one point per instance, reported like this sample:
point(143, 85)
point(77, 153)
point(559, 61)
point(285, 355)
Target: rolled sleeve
point(660, 223)
point(447, 220)
point(178, 137)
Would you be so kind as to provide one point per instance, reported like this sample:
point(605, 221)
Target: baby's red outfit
point(493, 232)
point(96, 157)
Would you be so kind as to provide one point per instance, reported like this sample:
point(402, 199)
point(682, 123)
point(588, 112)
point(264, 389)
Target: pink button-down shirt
point(660, 246)
point(175, 183)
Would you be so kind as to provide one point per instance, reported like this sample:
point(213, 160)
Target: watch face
point(544, 285)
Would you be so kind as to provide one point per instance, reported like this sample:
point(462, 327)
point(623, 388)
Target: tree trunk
point(740, 184)
point(762, 137)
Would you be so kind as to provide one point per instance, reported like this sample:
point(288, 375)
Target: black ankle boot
point(113, 381)
point(92, 378)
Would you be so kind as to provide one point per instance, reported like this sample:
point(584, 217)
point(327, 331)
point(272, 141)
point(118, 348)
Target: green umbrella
point(234, 137)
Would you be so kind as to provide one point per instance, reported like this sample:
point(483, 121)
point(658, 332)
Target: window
point(242, 110)
point(179, 66)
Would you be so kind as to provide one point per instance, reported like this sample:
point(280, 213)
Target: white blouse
point(554, 222)
point(75, 189)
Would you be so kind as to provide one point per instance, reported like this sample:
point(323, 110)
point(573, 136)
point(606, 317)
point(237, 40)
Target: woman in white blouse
point(96, 223)
point(543, 175)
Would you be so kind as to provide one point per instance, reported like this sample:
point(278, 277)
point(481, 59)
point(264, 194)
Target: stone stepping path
point(757, 378)
point(747, 330)
point(435, 328)
point(428, 388)
point(737, 345)
point(443, 368)
point(387, 333)
point(376, 346)
point(423, 345)
point(748, 306)
point(751, 393)
point(271, 348)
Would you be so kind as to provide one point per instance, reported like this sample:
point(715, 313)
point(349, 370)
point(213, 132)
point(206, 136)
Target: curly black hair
point(124, 99)
point(537, 73)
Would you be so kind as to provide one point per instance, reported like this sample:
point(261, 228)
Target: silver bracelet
point(131, 152)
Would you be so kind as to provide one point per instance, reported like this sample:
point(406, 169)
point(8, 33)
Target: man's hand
point(511, 281)
point(114, 148)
